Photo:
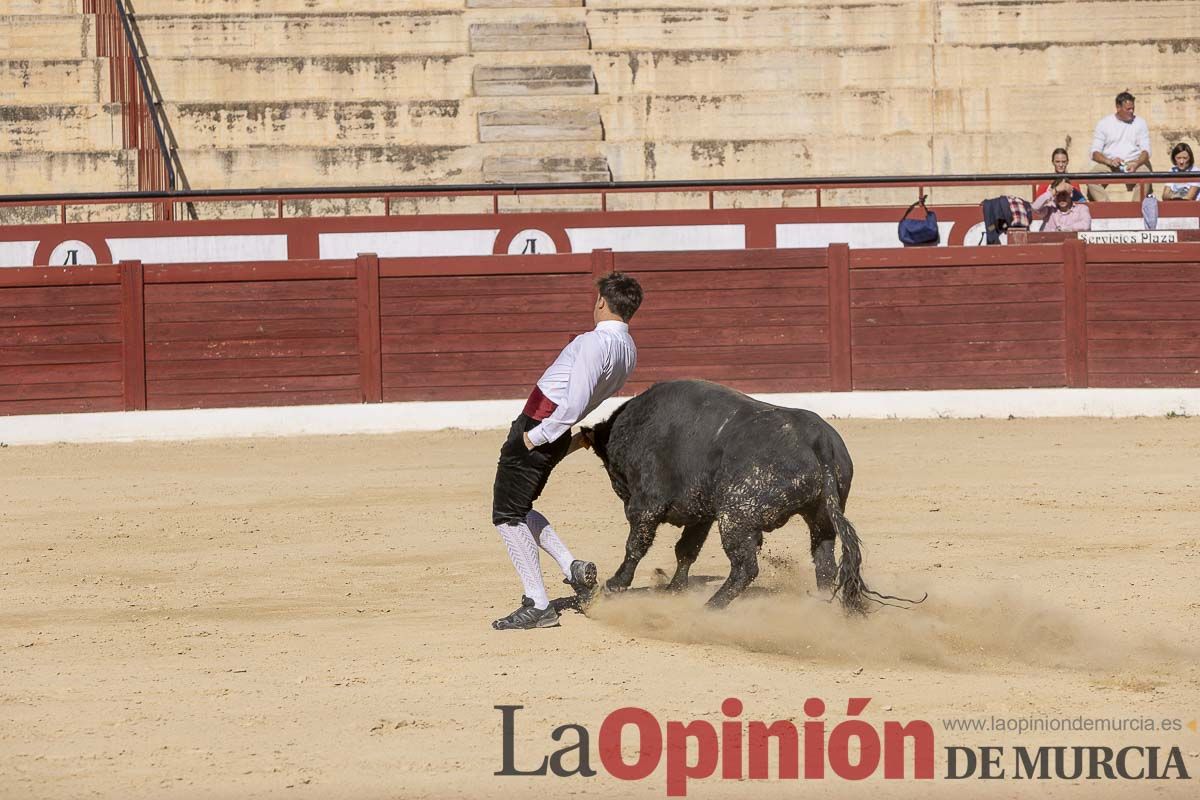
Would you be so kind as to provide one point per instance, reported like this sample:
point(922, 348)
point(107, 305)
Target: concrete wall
point(300, 92)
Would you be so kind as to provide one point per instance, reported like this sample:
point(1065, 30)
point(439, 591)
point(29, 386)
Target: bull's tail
point(849, 583)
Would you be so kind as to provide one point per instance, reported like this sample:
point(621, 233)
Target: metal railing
point(141, 128)
point(497, 192)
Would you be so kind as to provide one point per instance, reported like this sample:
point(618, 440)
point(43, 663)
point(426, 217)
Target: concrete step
point(373, 123)
point(517, 203)
point(36, 81)
point(540, 126)
point(675, 72)
point(1163, 62)
point(67, 173)
point(525, 3)
point(427, 76)
point(546, 169)
point(49, 7)
point(61, 128)
point(876, 25)
point(527, 36)
point(47, 36)
point(901, 154)
point(986, 23)
point(259, 35)
point(215, 7)
point(388, 166)
point(718, 5)
point(773, 115)
point(253, 167)
point(290, 79)
point(235, 125)
point(558, 79)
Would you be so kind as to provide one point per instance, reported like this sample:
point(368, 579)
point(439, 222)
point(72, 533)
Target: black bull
point(691, 453)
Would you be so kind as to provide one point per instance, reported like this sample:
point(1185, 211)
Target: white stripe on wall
point(658, 237)
point(855, 234)
point(198, 249)
point(17, 254)
point(401, 244)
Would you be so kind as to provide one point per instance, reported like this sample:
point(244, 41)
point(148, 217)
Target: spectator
point(1182, 161)
point(1061, 211)
point(1121, 143)
point(1059, 160)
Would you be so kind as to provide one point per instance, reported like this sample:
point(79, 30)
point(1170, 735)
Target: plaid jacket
point(1022, 212)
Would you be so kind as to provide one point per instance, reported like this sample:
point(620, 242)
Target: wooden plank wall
point(60, 340)
point(251, 335)
point(757, 320)
point(1143, 317)
point(487, 332)
point(300, 332)
point(982, 318)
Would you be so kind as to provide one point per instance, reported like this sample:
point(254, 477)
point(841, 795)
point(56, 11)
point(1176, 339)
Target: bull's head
point(596, 440)
point(597, 436)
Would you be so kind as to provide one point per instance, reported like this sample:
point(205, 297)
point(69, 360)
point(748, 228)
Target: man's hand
point(528, 441)
point(1115, 162)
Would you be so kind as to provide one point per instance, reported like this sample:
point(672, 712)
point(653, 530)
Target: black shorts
point(521, 473)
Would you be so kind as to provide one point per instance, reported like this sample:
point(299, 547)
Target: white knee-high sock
point(523, 551)
point(548, 540)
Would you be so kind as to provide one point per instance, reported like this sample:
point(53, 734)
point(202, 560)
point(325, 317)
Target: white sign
point(72, 253)
point(1129, 237)
point(531, 242)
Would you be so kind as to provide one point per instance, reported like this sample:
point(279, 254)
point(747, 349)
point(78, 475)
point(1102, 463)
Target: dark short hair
point(1058, 150)
point(1183, 147)
point(1124, 97)
point(621, 292)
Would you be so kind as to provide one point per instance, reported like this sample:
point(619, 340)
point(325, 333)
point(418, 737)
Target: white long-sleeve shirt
point(589, 370)
point(1124, 140)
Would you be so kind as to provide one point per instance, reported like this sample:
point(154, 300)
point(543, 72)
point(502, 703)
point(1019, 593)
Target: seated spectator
point(1121, 143)
point(1061, 211)
point(1059, 160)
point(1183, 161)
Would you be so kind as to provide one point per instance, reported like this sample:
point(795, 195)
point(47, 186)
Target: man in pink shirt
point(1060, 210)
point(589, 370)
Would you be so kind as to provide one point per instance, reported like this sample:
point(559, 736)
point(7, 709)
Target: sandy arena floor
point(308, 618)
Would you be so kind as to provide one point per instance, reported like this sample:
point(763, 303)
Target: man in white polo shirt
point(1121, 143)
point(589, 370)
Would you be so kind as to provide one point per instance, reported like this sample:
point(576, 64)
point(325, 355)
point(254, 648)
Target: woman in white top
point(1183, 161)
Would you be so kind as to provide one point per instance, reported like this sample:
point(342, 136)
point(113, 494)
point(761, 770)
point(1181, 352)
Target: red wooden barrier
point(254, 334)
point(60, 340)
point(755, 319)
point(282, 333)
point(370, 359)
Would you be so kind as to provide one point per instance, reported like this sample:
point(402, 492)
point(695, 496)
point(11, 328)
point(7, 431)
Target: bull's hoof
point(676, 587)
point(717, 602)
point(613, 588)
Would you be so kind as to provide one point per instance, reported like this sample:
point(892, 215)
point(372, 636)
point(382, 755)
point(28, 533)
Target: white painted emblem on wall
point(531, 242)
point(72, 253)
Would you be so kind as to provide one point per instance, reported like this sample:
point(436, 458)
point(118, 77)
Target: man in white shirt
point(589, 370)
point(1121, 143)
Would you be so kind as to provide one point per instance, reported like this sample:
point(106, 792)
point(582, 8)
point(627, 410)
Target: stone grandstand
point(286, 93)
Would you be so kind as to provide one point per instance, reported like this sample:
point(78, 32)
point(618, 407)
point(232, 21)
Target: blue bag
point(919, 232)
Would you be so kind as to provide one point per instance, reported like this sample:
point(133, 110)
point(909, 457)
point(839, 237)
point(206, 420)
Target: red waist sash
point(538, 406)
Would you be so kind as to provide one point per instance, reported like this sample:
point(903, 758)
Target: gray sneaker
point(527, 617)
point(583, 581)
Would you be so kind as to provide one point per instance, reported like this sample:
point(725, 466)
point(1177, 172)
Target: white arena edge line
point(375, 418)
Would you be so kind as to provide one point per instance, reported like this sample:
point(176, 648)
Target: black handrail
point(864, 181)
point(151, 105)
